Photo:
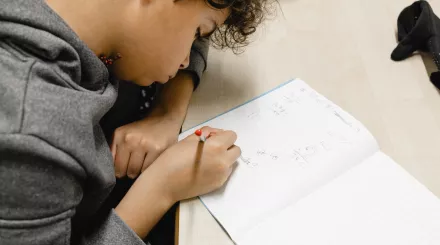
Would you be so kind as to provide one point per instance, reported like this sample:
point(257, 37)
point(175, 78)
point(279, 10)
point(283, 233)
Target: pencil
point(202, 137)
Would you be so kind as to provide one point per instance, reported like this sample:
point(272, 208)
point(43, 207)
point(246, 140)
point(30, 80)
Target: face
point(157, 36)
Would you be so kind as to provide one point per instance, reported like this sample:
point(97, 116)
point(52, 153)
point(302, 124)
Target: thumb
point(113, 149)
point(403, 51)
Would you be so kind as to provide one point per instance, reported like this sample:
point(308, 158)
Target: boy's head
point(156, 35)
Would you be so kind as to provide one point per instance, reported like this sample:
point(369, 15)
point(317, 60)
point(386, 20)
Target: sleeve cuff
point(114, 231)
point(198, 60)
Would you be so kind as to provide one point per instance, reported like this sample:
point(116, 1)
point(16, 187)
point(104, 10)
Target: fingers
point(149, 159)
point(135, 164)
point(121, 160)
point(113, 149)
point(226, 138)
point(227, 175)
point(208, 131)
point(233, 154)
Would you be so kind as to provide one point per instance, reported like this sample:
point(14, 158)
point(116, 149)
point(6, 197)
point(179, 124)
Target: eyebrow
point(215, 27)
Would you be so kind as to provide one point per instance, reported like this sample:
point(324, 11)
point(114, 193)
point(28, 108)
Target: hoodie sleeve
point(55, 167)
point(38, 200)
point(198, 59)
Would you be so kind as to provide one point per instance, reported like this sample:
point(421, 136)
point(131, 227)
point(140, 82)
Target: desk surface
point(342, 49)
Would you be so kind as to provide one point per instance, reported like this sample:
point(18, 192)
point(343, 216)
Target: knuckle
point(128, 137)
point(144, 143)
point(233, 133)
point(157, 147)
point(118, 135)
point(206, 128)
point(216, 147)
point(119, 131)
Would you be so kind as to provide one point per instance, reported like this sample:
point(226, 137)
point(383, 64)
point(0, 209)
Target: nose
point(185, 62)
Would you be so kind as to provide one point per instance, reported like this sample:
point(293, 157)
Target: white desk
point(342, 49)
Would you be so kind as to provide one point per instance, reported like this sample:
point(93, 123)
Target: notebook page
point(376, 202)
point(293, 140)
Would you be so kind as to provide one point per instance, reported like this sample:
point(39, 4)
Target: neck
point(93, 21)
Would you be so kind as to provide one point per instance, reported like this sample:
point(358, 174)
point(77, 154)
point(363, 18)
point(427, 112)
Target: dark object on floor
point(419, 29)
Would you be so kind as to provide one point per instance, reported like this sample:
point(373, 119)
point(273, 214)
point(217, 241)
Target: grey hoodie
point(56, 168)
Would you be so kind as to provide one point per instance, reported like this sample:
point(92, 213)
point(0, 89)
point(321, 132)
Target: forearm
point(175, 96)
point(145, 203)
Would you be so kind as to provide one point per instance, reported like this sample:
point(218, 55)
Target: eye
point(198, 33)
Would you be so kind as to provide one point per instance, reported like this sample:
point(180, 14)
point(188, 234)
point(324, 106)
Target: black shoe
point(419, 29)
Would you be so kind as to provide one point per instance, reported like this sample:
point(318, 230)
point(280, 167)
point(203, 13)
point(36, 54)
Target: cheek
point(179, 49)
point(170, 51)
point(156, 54)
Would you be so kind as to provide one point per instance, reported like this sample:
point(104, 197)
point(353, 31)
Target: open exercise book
point(311, 174)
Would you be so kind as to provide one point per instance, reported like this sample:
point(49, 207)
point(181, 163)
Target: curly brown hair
point(244, 17)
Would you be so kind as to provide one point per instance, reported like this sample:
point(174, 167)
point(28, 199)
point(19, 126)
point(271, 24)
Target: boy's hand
point(192, 168)
point(135, 146)
point(186, 169)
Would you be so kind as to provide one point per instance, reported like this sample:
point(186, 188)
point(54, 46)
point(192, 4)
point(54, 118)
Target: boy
point(56, 168)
